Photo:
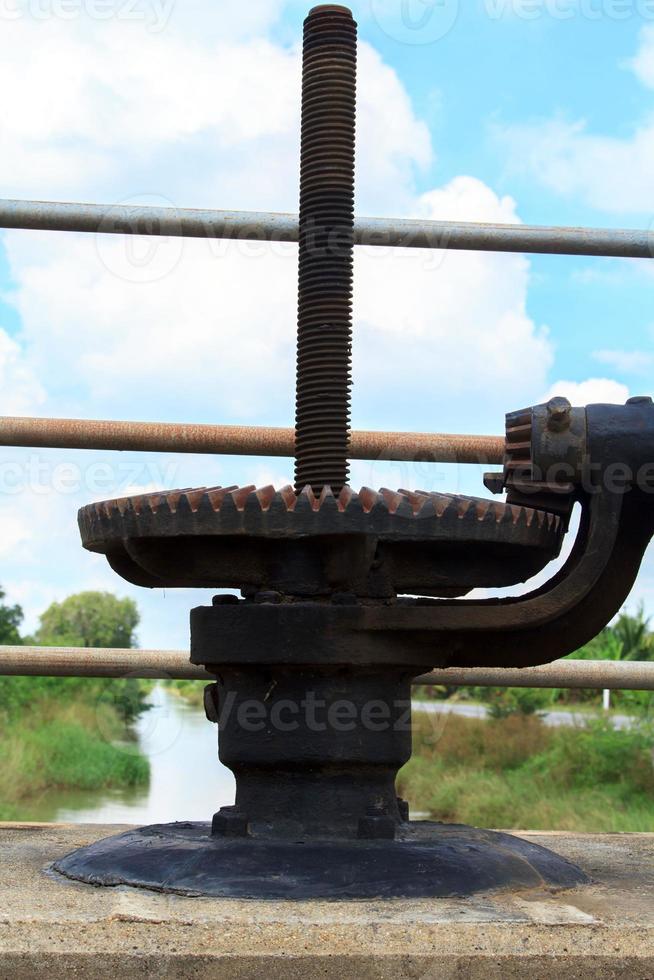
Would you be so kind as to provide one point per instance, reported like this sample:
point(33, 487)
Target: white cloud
point(589, 392)
point(114, 335)
point(144, 329)
point(643, 61)
point(613, 174)
point(214, 338)
point(20, 391)
point(447, 330)
point(609, 173)
point(626, 361)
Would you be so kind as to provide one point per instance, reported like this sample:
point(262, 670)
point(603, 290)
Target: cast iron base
point(425, 860)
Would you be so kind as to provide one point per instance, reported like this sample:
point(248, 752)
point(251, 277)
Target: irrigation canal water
point(187, 780)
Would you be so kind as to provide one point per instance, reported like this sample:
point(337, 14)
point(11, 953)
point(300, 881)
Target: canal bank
point(187, 781)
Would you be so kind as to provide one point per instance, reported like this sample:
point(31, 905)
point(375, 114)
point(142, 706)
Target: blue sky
point(540, 111)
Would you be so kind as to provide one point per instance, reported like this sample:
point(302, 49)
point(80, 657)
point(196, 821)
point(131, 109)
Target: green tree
point(10, 619)
point(634, 635)
point(89, 619)
point(607, 645)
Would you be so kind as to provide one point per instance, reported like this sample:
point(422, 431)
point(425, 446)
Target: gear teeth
point(289, 497)
point(428, 509)
point(122, 505)
point(326, 497)
point(369, 498)
point(404, 504)
point(463, 506)
point(518, 451)
point(443, 504)
point(241, 495)
point(217, 495)
point(497, 510)
point(344, 498)
point(308, 495)
point(265, 496)
point(415, 500)
point(195, 498)
point(482, 508)
point(172, 499)
point(392, 499)
point(155, 500)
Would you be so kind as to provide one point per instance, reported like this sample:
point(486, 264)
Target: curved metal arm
point(550, 622)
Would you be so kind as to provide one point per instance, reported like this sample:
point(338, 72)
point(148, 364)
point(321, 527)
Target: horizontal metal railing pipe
point(618, 675)
point(23, 661)
point(240, 440)
point(121, 219)
point(626, 675)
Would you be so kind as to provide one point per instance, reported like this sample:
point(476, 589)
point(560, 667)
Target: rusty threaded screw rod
point(324, 345)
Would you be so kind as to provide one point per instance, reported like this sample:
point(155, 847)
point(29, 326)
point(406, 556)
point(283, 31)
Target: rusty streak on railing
point(240, 440)
point(626, 675)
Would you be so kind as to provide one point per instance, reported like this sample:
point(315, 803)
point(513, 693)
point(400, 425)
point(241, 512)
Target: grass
point(516, 773)
point(74, 738)
point(190, 691)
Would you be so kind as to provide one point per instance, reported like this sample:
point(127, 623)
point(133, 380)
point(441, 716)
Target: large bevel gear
point(372, 544)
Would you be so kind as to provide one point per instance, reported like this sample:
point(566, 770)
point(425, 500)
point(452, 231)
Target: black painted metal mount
point(312, 691)
point(315, 748)
point(314, 664)
point(425, 860)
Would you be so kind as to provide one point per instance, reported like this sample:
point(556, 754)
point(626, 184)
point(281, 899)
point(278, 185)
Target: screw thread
point(324, 337)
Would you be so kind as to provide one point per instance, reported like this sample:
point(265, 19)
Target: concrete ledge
point(57, 929)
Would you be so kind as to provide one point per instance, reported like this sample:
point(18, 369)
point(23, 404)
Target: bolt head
point(403, 807)
point(225, 600)
point(376, 828)
point(230, 821)
point(558, 414)
point(377, 824)
point(494, 482)
point(268, 598)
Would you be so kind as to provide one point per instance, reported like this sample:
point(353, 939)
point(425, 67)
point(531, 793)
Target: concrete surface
point(57, 929)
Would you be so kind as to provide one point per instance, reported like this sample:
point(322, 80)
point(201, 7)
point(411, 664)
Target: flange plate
point(425, 860)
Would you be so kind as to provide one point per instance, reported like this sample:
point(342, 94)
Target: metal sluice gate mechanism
point(314, 663)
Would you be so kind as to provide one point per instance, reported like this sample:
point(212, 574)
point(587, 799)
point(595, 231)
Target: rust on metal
point(17, 661)
point(324, 326)
point(240, 440)
point(403, 503)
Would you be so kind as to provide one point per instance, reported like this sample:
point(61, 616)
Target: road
point(553, 718)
